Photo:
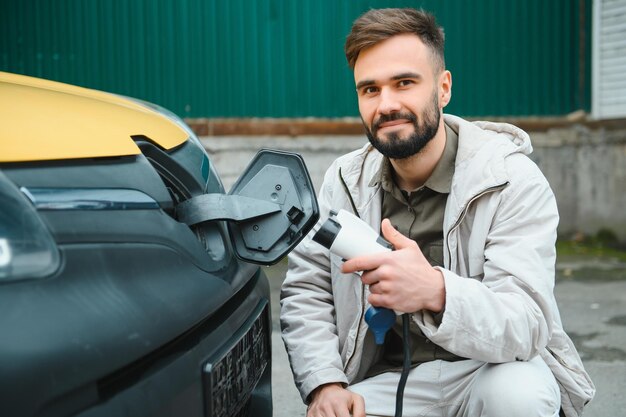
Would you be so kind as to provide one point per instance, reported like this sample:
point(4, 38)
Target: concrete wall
point(587, 171)
point(586, 168)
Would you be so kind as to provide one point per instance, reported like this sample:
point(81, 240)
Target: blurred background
point(240, 70)
point(284, 59)
point(247, 74)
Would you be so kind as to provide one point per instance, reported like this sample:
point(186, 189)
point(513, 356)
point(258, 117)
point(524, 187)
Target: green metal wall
point(284, 58)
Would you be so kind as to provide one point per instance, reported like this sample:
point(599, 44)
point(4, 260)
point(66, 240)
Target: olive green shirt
point(417, 214)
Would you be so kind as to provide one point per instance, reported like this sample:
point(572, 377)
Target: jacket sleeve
point(307, 314)
point(506, 313)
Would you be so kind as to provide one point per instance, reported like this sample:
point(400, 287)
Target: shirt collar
point(441, 178)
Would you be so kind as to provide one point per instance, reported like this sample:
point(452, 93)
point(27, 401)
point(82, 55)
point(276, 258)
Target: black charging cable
point(406, 364)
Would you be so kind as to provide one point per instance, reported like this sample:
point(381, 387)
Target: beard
point(395, 147)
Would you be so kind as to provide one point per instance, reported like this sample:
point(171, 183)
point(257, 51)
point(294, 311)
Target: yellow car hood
point(46, 120)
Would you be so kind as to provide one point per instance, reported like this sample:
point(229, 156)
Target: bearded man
point(473, 223)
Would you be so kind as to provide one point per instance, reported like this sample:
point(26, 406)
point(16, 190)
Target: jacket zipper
point(464, 213)
point(563, 364)
point(561, 360)
point(358, 329)
point(345, 188)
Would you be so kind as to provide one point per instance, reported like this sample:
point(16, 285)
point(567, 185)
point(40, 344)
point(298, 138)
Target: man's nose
point(389, 102)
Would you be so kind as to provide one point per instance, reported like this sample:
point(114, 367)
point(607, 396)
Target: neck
point(411, 173)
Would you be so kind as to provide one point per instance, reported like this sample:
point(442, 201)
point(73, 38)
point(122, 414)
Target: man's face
point(400, 96)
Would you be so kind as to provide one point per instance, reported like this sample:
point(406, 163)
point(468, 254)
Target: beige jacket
point(499, 256)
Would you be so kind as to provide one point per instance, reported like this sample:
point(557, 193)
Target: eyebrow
point(405, 75)
point(364, 83)
point(402, 76)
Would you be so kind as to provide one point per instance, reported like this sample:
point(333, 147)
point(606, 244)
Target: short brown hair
point(378, 25)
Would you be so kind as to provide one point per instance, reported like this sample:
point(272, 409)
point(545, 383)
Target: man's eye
point(369, 90)
point(405, 83)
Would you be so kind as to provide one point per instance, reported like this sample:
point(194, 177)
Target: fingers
point(397, 239)
point(379, 295)
point(371, 277)
point(376, 288)
point(358, 406)
point(328, 410)
point(335, 401)
point(363, 263)
point(378, 283)
point(371, 262)
point(378, 300)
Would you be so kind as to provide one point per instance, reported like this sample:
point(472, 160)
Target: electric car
point(129, 279)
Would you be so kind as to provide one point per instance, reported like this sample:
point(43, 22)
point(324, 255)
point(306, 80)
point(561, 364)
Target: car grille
point(230, 378)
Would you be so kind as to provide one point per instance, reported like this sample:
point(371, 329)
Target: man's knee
point(515, 389)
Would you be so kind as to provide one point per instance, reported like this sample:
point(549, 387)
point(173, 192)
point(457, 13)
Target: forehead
point(398, 54)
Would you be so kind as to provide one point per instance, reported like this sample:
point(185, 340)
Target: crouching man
point(473, 222)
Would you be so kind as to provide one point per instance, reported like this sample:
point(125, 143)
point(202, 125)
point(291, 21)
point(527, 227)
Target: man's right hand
point(333, 400)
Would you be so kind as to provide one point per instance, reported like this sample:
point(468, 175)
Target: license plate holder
point(230, 376)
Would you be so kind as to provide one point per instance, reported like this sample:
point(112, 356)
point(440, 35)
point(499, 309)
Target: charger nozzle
point(380, 320)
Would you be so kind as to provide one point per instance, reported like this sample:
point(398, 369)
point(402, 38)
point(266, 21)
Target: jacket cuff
point(434, 324)
point(321, 377)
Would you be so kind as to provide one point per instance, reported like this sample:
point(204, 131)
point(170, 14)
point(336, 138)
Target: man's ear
point(445, 88)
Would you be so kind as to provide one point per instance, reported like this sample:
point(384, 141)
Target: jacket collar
point(482, 149)
point(357, 171)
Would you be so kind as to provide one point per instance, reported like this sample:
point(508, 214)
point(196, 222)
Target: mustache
point(384, 118)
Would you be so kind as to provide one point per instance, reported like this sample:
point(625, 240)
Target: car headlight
point(27, 249)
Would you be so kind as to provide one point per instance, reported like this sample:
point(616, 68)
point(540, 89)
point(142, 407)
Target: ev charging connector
point(345, 235)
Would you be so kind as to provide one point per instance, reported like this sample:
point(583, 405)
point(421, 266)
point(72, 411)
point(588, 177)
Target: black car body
point(109, 304)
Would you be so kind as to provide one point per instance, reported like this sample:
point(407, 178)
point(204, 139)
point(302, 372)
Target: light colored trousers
point(466, 388)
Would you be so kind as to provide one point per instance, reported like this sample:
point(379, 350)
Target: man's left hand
point(401, 280)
